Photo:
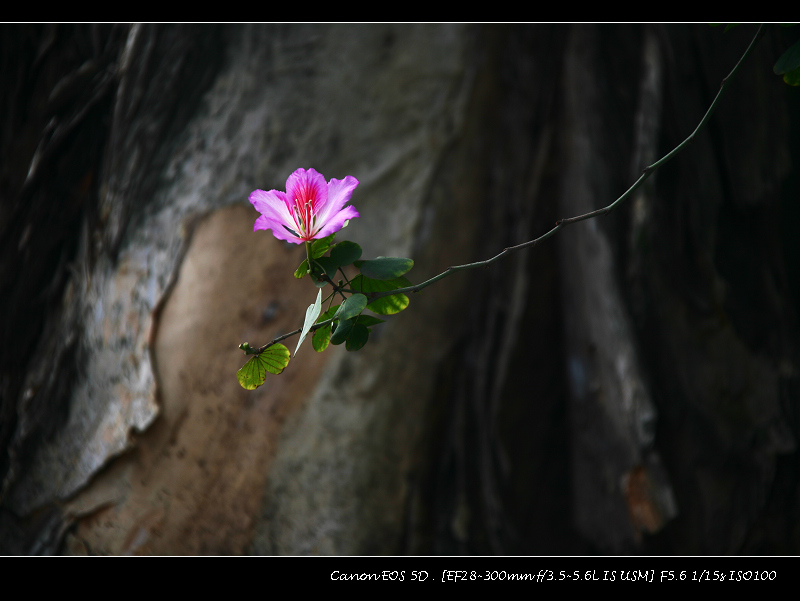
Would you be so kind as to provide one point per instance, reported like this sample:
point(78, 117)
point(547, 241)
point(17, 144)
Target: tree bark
point(629, 386)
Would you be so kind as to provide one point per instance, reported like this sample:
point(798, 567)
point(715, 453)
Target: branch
point(248, 350)
point(647, 172)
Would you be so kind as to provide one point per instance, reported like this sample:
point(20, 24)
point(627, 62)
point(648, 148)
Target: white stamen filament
point(307, 229)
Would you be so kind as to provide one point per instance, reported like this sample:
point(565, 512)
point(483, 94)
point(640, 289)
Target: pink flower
point(310, 208)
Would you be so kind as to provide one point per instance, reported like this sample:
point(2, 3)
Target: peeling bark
point(629, 387)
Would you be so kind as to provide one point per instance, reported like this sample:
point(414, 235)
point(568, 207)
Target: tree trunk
point(628, 386)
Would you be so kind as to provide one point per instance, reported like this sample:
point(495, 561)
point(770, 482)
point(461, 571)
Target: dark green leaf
point(352, 306)
point(352, 331)
point(789, 60)
point(327, 266)
point(369, 320)
point(345, 252)
point(342, 331)
point(358, 337)
point(386, 268)
point(274, 360)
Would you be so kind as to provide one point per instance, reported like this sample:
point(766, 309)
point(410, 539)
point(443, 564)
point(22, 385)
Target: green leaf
point(369, 320)
point(352, 332)
point(342, 331)
point(321, 246)
point(345, 252)
point(273, 359)
point(301, 271)
point(322, 336)
point(311, 317)
point(353, 306)
point(327, 266)
point(386, 268)
point(328, 314)
point(789, 60)
point(792, 77)
point(388, 305)
point(358, 337)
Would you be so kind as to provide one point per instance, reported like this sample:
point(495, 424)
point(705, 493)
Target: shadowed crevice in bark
point(629, 386)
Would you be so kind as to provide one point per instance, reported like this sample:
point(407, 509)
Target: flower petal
point(275, 214)
point(273, 204)
point(311, 208)
point(280, 231)
point(304, 185)
point(335, 223)
point(338, 194)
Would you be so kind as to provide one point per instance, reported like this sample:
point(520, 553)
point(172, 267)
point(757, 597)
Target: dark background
point(629, 386)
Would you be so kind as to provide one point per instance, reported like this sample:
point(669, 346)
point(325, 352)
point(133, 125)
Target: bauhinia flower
point(310, 208)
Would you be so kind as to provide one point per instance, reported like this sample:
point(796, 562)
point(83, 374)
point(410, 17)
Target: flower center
point(305, 217)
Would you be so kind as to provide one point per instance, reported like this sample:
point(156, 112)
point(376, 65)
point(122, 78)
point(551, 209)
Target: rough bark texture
point(628, 387)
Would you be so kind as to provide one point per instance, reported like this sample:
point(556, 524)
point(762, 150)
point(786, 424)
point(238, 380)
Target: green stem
point(308, 255)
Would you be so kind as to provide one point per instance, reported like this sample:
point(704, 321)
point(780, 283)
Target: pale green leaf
point(273, 359)
point(311, 317)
